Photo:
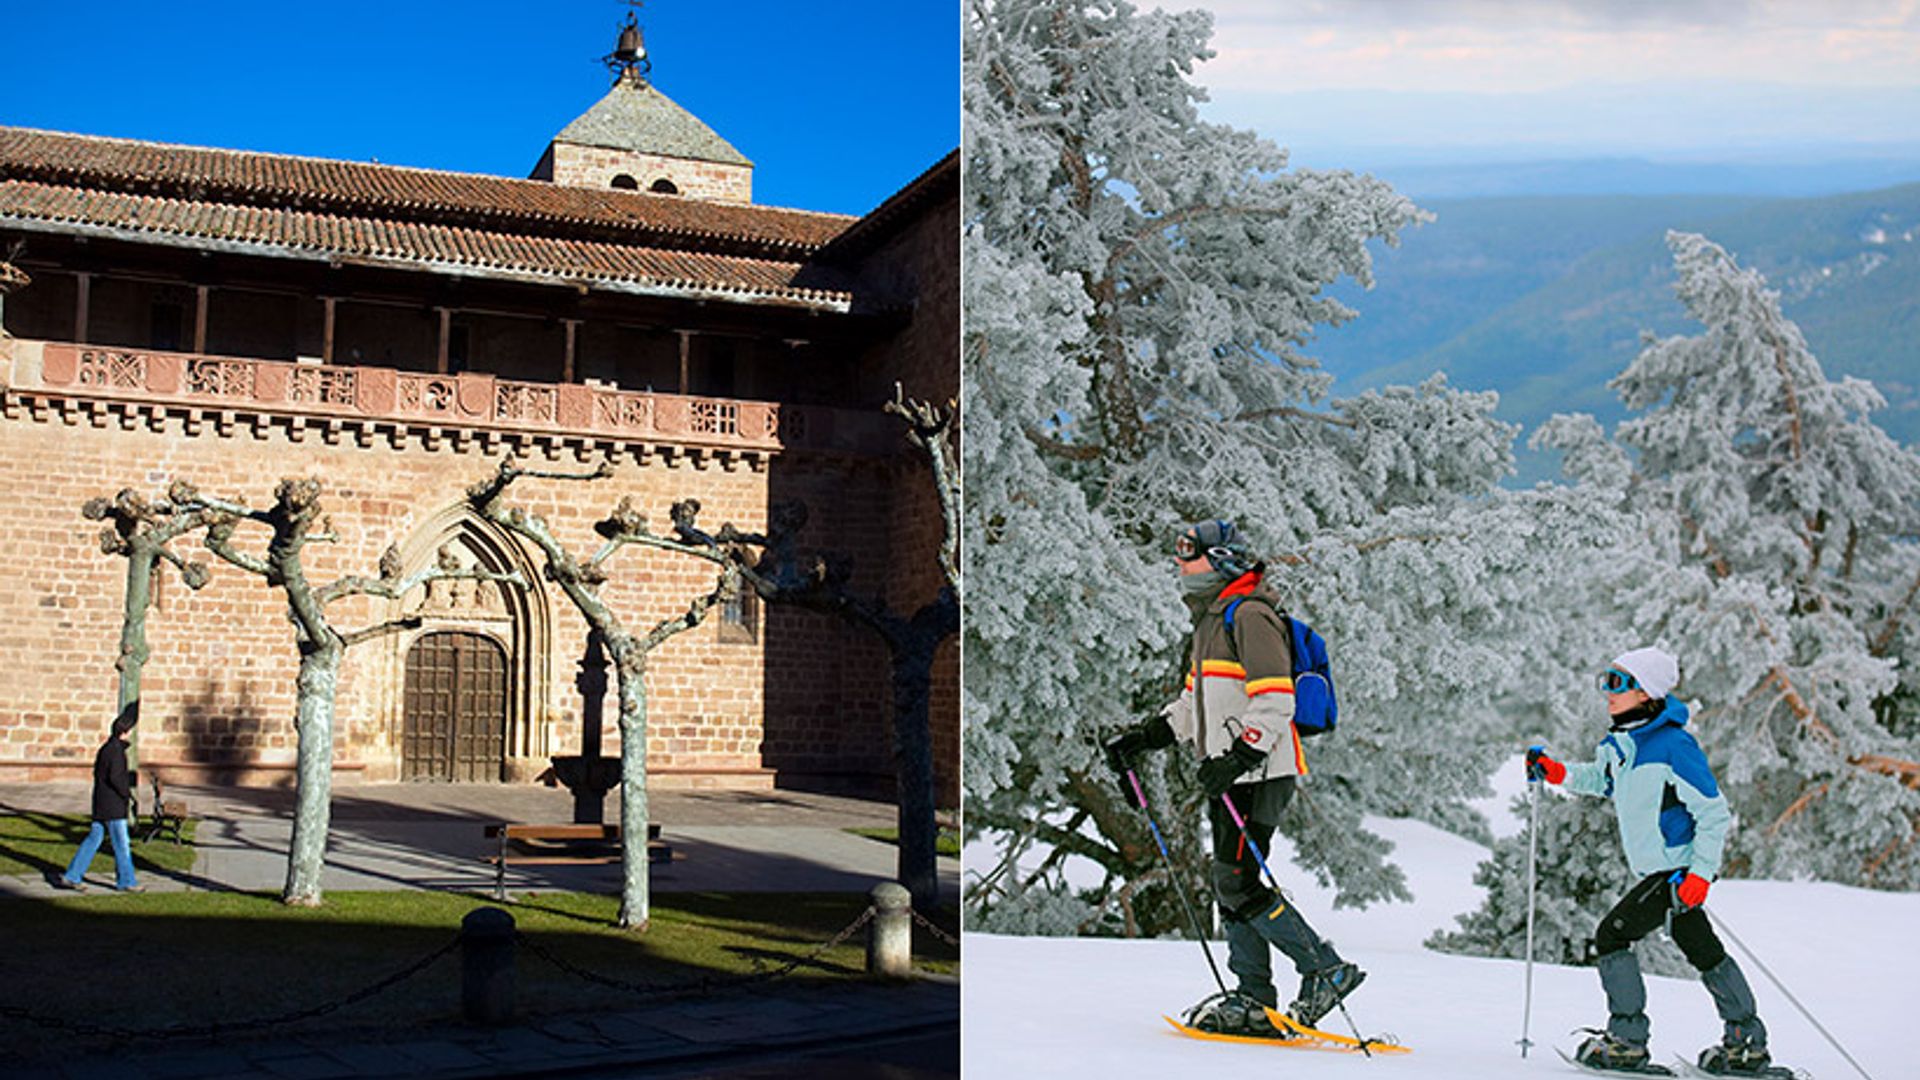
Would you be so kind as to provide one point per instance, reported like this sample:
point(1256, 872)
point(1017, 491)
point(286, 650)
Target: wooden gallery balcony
point(104, 385)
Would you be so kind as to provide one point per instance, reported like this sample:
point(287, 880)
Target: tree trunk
point(133, 638)
point(631, 665)
point(313, 791)
point(913, 765)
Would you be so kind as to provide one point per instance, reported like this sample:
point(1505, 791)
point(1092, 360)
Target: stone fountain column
point(587, 774)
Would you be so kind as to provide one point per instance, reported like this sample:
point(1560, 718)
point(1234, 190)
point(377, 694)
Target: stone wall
point(596, 166)
point(808, 697)
point(919, 267)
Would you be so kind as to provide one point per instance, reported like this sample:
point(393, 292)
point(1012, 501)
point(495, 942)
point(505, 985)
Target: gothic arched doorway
point(454, 726)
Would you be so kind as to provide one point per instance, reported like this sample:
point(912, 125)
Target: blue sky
point(838, 104)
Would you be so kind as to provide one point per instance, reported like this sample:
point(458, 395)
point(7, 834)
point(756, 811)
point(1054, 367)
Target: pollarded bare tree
point(296, 520)
point(580, 579)
point(819, 582)
point(140, 530)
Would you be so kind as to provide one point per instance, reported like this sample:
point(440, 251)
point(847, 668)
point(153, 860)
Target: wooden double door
point(455, 721)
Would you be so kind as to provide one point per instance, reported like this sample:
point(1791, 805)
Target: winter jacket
point(112, 789)
point(1671, 813)
point(1240, 689)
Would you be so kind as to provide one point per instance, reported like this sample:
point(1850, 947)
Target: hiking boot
point(1735, 1059)
point(1321, 991)
point(1604, 1051)
point(1233, 1014)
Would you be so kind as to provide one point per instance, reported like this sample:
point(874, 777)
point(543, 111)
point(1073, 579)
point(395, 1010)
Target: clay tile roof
point(397, 192)
point(635, 116)
point(455, 222)
point(424, 245)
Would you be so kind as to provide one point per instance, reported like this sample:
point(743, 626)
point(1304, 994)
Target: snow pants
point(1255, 917)
point(1642, 910)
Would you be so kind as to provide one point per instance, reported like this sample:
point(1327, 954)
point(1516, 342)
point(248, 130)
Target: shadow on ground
point(124, 969)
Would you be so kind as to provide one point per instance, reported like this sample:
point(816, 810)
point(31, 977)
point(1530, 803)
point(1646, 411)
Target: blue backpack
point(1315, 712)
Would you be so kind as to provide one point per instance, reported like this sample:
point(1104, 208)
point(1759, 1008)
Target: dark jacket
point(112, 785)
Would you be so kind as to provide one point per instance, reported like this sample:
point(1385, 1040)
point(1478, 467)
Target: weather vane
point(628, 60)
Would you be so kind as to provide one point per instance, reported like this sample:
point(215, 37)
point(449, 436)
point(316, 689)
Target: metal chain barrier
point(934, 929)
point(194, 1031)
point(702, 986)
point(663, 990)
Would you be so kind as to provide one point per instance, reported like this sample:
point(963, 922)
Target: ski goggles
point(1186, 549)
point(1615, 681)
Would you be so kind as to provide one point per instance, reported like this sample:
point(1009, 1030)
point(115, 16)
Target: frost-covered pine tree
point(1774, 549)
point(1581, 875)
point(1140, 287)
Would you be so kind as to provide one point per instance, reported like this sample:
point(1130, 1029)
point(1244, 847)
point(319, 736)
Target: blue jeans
point(122, 854)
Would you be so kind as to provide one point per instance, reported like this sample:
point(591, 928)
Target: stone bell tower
point(637, 139)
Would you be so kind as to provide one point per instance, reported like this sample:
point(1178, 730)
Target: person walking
point(1236, 714)
point(112, 803)
point(1673, 824)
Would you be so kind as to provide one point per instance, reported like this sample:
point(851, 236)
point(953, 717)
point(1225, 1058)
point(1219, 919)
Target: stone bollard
point(486, 966)
point(890, 934)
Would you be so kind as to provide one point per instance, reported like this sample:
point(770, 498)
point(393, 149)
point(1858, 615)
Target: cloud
point(1515, 47)
point(1675, 120)
point(1566, 13)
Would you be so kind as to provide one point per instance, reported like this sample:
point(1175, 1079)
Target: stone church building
point(231, 318)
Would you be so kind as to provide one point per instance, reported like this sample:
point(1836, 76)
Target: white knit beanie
point(1655, 670)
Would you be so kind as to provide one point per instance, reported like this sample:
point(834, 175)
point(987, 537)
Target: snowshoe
point(1603, 1052)
point(1321, 991)
point(1740, 1059)
point(1735, 1059)
point(1233, 1014)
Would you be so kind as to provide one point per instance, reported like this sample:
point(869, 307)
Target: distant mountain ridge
point(1807, 177)
point(1544, 298)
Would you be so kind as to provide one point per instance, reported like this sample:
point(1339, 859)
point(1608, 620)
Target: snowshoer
point(1237, 714)
point(1673, 822)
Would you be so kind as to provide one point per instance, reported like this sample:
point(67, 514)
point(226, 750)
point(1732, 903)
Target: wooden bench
point(167, 816)
point(563, 845)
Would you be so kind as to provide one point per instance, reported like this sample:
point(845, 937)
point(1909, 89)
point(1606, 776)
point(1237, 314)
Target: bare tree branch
point(1053, 447)
point(391, 626)
point(1884, 639)
point(1907, 772)
point(725, 589)
point(220, 542)
point(931, 429)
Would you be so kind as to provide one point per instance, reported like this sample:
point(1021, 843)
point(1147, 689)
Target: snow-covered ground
point(1068, 1008)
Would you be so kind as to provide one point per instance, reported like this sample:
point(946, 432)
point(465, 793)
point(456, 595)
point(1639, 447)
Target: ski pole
point(1533, 847)
point(1735, 938)
point(1260, 858)
point(1173, 880)
point(1251, 846)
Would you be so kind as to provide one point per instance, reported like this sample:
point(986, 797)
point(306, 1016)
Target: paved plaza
point(432, 836)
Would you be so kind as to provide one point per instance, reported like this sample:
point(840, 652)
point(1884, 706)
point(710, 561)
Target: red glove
point(1542, 767)
point(1692, 891)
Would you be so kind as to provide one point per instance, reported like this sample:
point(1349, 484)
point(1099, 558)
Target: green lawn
point(192, 958)
point(947, 843)
point(35, 843)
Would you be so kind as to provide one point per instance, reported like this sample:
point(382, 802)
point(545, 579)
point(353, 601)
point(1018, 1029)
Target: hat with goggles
point(1219, 543)
point(1652, 670)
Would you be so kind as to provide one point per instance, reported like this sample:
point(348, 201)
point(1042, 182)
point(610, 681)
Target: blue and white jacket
point(1671, 813)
